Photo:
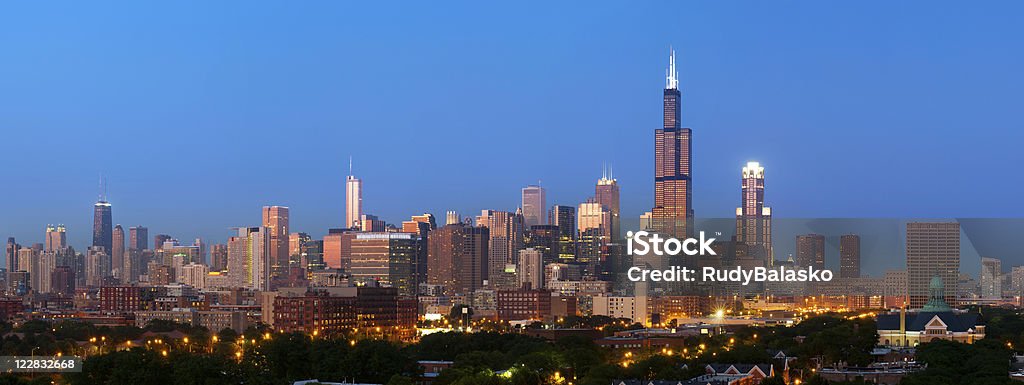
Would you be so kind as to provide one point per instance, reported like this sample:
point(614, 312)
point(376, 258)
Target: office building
point(810, 251)
point(505, 239)
point(248, 258)
point(218, 257)
point(56, 237)
point(606, 193)
point(991, 278)
point(159, 240)
point(97, 266)
point(315, 311)
point(1017, 281)
point(524, 304)
point(457, 258)
point(849, 256)
point(193, 274)
point(353, 199)
point(275, 219)
point(530, 269)
point(102, 226)
point(137, 238)
point(11, 255)
point(544, 238)
point(753, 218)
point(117, 256)
point(337, 248)
point(62, 281)
point(385, 259)
point(565, 218)
point(534, 206)
point(370, 223)
point(932, 248)
point(672, 214)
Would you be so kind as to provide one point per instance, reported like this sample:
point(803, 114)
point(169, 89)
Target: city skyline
point(399, 193)
point(799, 112)
point(388, 197)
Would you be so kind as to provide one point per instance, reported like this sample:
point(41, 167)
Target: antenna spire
point(671, 75)
point(350, 165)
point(103, 189)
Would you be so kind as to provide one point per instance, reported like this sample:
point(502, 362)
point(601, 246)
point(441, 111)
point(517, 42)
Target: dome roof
point(936, 283)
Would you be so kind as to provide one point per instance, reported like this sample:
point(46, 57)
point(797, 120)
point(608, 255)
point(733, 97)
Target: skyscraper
point(117, 253)
point(810, 251)
point(593, 221)
point(606, 193)
point(420, 225)
point(137, 238)
point(1017, 280)
point(12, 255)
point(753, 218)
point(933, 248)
point(42, 276)
point(97, 266)
point(991, 278)
point(385, 258)
point(672, 214)
point(534, 206)
point(457, 258)
point(504, 240)
point(275, 219)
point(531, 268)
point(159, 239)
point(102, 225)
point(353, 198)
point(62, 281)
point(849, 256)
point(56, 237)
point(565, 218)
point(218, 257)
point(248, 258)
point(544, 238)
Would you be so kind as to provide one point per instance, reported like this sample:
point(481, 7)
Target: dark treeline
point(260, 356)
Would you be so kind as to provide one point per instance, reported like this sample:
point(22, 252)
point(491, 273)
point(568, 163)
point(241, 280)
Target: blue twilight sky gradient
point(198, 113)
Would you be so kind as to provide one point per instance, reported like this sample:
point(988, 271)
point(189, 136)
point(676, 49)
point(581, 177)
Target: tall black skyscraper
point(673, 209)
point(102, 225)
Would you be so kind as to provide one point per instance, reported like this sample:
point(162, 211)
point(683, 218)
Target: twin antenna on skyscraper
point(103, 189)
point(606, 172)
point(671, 75)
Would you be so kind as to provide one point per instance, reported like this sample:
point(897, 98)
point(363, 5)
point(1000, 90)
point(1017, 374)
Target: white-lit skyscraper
point(534, 206)
point(353, 198)
point(753, 218)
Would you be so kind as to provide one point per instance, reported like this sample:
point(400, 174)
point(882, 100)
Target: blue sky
point(198, 113)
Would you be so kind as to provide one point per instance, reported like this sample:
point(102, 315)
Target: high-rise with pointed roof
point(353, 198)
point(672, 214)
